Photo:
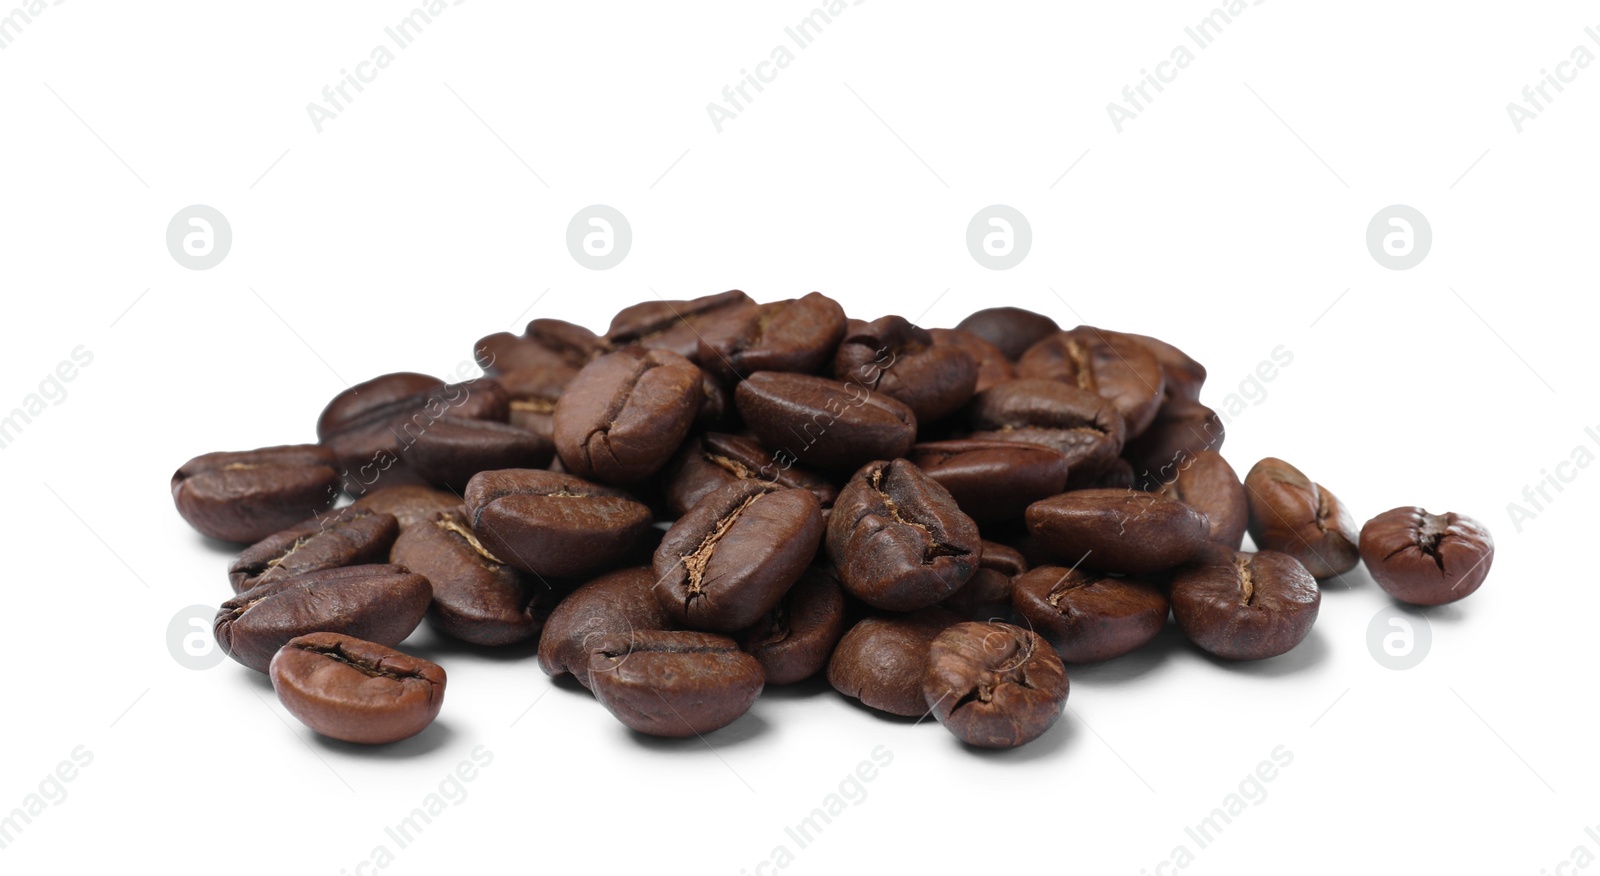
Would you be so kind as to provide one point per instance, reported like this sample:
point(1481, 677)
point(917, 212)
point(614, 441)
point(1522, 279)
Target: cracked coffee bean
point(553, 524)
point(1089, 616)
point(1012, 329)
point(713, 460)
point(1244, 606)
point(1291, 514)
point(993, 481)
point(1110, 364)
point(1077, 423)
point(1208, 484)
point(245, 496)
point(796, 335)
point(893, 357)
point(356, 691)
point(994, 685)
point(477, 597)
point(824, 423)
point(454, 449)
point(673, 683)
point(793, 641)
point(379, 603)
point(898, 538)
point(1119, 530)
point(625, 414)
point(352, 537)
point(1426, 559)
point(621, 602)
point(881, 660)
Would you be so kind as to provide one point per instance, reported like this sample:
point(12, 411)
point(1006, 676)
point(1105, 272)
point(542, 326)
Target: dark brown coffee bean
point(545, 343)
point(370, 426)
point(677, 325)
point(987, 594)
point(1109, 364)
point(1291, 514)
point(352, 537)
point(379, 603)
point(454, 449)
point(707, 462)
point(993, 481)
point(1012, 329)
point(824, 423)
point(994, 685)
point(673, 683)
point(1119, 530)
point(795, 335)
point(1243, 606)
point(1208, 484)
point(622, 602)
point(1183, 376)
point(1118, 477)
point(898, 538)
point(356, 691)
point(533, 393)
point(733, 556)
point(716, 404)
point(1089, 616)
point(248, 495)
point(477, 597)
point(625, 414)
point(900, 360)
point(1182, 430)
point(1426, 559)
point(993, 366)
point(553, 524)
point(794, 640)
point(410, 505)
point(881, 660)
point(1081, 425)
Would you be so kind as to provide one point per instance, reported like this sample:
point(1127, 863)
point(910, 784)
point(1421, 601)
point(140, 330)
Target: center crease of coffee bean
point(695, 564)
point(934, 548)
point(1246, 583)
point(451, 524)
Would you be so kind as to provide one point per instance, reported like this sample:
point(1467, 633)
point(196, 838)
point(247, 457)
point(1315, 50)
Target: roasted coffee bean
point(993, 366)
point(370, 425)
point(454, 449)
point(673, 683)
point(733, 556)
point(352, 537)
point(987, 594)
point(1243, 606)
point(715, 459)
point(824, 423)
point(793, 640)
point(356, 691)
point(1089, 616)
point(1110, 364)
point(477, 597)
point(1118, 477)
point(553, 524)
point(248, 495)
point(410, 505)
point(898, 538)
point(1182, 430)
point(994, 685)
point(900, 360)
point(677, 325)
point(1012, 329)
point(993, 481)
point(622, 602)
point(795, 335)
point(1183, 376)
point(1118, 530)
point(715, 404)
point(881, 660)
point(545, 343)
point(532, 394)
point(1291, 514)
point(1081, 425)
point(379, 603)
point(625, 413)
point(1208, 484)
point(1426, 559)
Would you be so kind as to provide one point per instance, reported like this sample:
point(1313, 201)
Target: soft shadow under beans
point(438, 735)
point(1134, 666)
point(1064, 734)
point(816, 685)
point(749, 726)
point(1311, 652)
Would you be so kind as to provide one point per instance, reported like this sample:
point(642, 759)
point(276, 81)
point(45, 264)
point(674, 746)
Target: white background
point(1228, 218)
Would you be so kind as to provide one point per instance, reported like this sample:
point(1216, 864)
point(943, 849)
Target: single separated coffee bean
point(409, 504)
point(1012, 329)
point(1089, 616)
point(1291, 514)
point(477, 597)
point(1426, 559)
point(792, 642)
point(1110, 364)
point(1208, 484)
point(881, 660)
point(553, 524)
point(454, 449)
point(625, 414)
point(621, 602)
point(379, 603)
point(1124, 531)
point(356, 691)
point(248, 495)
point(994, 685)
point(1077, 423)
point(993, 481)
point(898, 538)
point(891, 356)
point(1243, 606)
point(824, 423)
point(711, 461)
point(799, 335)
point(677, 325)
point(673, 683)
point(352, 537)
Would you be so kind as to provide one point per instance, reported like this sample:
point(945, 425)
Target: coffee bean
point(715, 404)
point(1181, 430)
point(379, 603)
point(715, 459)
point(454, 449)
point(248, 495)
point(356, 691)
point(1243, 606)
point(898, 538)
point(1208, 484)
point(1119, 530)
point(352, 537)
point(994, 685)
point(1110, 364)
point(625, 413)
point(1291, 514)
point(477, 597)
point(881, 660)
point(673, 683)
point(370, 425)
point(824, 423)
point(545, 343)
point(1089, 616)
point(993, 481)
point(410, 505)
point(1079, 424)
point(532, 394)
point(993, 366)
point(1012, 329)
point(793, 641)
point(901, 360)
point(1118, 477)
point(622, 602)
point(1426, 559)
point(795, 335)
point(1182, 375)
point(552, 524)
point(677, 325)
point(987, 594)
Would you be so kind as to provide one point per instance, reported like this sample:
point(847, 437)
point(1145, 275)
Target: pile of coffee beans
point(717, 495)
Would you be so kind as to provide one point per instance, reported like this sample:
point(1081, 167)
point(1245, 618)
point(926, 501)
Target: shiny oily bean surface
point(356, 691)
point(1079, 424)
point(1089, 616)
point(352, 537)
point(894, 357)
point(1118, 530)
point(993, 481)
point(454, 449)
point(1244, 606)
point(799, 335)
point(1012, 329)
point(987, 594)
point(1426, 559)
point(622, 602)
point(477, 597)
point(882, 659)
point(793, 641)
point(1182, 430)
point(1182, 375)
point(993, 366)
point(553, 524)
point(677, 325)
point(1208, 484)
point(1291, 514)
point(409, 504)
point(898, 538)
point(708, 462)
point(371, 425)
point(994, 685)
point(824, 423)
point(245, 496)
point(625, 414)
point(1107, 363)
point(673, 683)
